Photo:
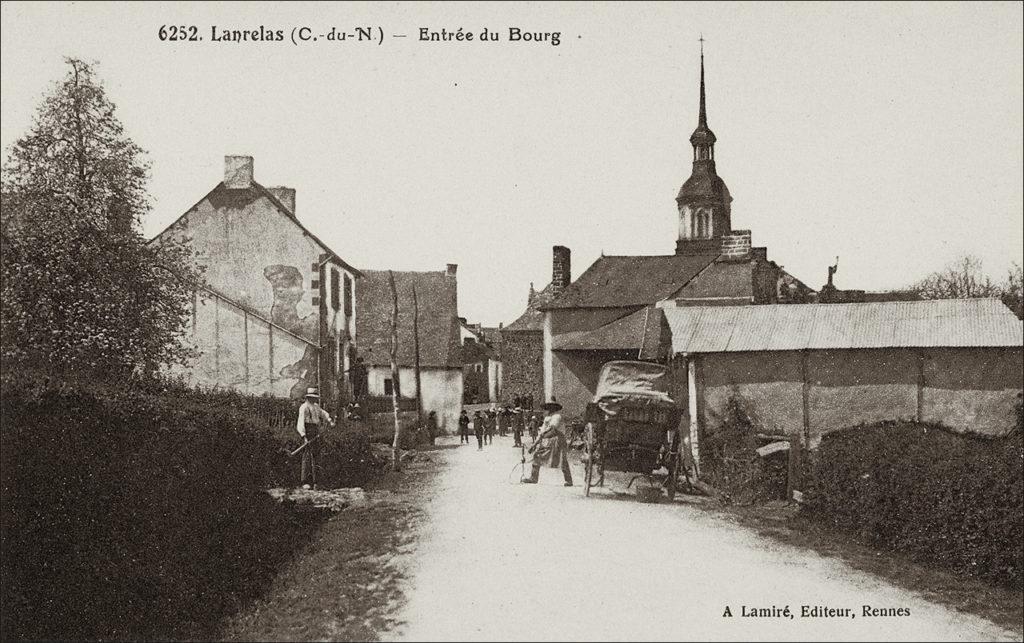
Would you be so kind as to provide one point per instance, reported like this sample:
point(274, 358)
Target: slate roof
point(620, 281)
point(900, 324)
point(532, 318)
point(704, 183)
point(437, 295)
point(644, 331)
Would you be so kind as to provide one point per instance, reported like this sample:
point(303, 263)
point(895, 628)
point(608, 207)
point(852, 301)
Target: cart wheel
point(588, 447)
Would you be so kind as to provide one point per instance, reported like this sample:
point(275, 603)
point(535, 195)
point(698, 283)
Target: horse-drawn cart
point(632, 425)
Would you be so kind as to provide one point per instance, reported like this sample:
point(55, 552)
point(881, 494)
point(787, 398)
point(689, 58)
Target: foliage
point(81, 289)
point(955, 500)
point(139, 511)
point(965, 279)
point(730, 462)
point(1013, 290)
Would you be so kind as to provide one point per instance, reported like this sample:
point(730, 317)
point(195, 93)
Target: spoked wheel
point(589, 453)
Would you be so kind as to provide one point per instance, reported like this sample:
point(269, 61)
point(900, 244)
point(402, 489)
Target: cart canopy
point(625, 383)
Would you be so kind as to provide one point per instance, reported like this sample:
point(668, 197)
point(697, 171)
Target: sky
point(889, 135)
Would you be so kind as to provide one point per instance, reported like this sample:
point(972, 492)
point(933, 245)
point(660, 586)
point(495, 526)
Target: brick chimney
point(736, 245)
point(286, 196)
point(561, 274)
point(451, 269)
point(238, 172)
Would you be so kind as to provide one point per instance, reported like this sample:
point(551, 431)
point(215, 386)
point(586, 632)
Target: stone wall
point(522, 365)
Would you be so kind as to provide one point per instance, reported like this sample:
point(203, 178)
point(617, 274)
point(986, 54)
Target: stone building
point(523, 339)
point(614, 309)
point(278, 312)
point(438, 326)
point(481, 364)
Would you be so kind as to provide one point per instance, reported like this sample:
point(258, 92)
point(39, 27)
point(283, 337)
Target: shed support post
point(693, 412)
point(920, 386)
point(806, 394)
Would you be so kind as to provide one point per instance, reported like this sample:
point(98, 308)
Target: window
point(702, 223)
point(479, 368)
point(348, 296)
point(335, 287)
point(389, 387)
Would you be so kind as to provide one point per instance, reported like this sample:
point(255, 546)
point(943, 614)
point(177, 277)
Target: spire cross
point(701, 39)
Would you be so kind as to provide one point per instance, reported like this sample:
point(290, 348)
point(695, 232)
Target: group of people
point(549, 446)
point(505, 420)
point(549, 438)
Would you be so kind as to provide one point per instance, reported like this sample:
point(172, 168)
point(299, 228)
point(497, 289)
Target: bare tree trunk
point(396, 454)
point(416, 348)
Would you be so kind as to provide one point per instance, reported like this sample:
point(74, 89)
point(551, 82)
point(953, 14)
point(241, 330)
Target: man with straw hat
point(311, 420)
point(551, 445)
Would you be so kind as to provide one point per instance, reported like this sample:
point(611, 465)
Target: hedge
point(941, 497)
point(139, 511)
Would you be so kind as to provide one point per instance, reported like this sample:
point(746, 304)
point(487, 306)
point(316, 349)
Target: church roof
point(622, 281)
point(704, 183)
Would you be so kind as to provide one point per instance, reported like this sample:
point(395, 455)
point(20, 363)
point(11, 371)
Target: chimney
point(286, 196)
point(560, 269)
point(451, 269)
point(736, 245)
point(238, 172)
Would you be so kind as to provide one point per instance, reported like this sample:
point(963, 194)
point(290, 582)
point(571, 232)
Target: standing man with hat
point(312, 419)
point(517, 426)
point(551, 445)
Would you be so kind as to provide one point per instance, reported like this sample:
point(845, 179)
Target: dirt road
point(500, 561)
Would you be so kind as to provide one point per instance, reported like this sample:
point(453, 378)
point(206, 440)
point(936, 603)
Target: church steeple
point(704, 200)
point(703, 139)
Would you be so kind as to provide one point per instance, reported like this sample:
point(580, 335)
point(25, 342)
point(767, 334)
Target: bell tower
point(704, 202)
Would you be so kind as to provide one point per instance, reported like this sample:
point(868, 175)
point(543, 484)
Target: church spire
point(704, 203)
point(702, 139)
point(702, 119)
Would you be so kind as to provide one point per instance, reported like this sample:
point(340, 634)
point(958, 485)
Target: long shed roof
point(896, 324)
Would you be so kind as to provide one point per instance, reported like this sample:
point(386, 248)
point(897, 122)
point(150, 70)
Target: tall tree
point(1013, 289)
point(961, 279)
point(82, 290)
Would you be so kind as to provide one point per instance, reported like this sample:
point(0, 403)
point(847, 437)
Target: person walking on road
point(551, 446)
point(502, 418)
point(463, 427)
point(517, 426)
point(489, 422)
point(312, 420)
point(478, 429)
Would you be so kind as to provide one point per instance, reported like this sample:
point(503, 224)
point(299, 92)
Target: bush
point(941, 497)
point(730, 462)
point(139, 512)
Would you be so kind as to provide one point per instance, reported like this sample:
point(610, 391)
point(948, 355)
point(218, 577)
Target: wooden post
point(416, 350)
point(693, 410)
point(920, 386)
point(806, 395)
point(396, 454)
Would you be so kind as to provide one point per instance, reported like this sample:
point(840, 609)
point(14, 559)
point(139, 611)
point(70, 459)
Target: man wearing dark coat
point(463, 428)
point(478, 429)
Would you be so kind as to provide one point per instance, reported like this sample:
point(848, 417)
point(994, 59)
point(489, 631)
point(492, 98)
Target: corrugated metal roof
point(918, 324)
